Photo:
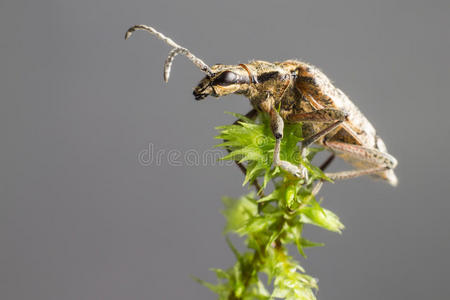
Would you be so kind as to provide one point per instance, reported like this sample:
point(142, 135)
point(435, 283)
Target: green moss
point(271, 222)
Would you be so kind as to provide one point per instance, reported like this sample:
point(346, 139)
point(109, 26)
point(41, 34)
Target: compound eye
point(226, 78)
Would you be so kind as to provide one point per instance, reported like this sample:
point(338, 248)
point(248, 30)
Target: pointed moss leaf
point(238, 211)
point(218, 289)
point(296, 232)
point(302, 243)
point(221, 274)
point(291, 196)
point(262, 289)
point(254, 224)
point(315, 172)
point(323, 218)
point(300, 247)
point(280, 292)
point(253, 170)
point(233, 249)
point(308, 244)
point(272, 239)
point(289, 283)
point(272, 196)
point(305, 196)
point(312, 151)
point(266, 178)
point(316, 205)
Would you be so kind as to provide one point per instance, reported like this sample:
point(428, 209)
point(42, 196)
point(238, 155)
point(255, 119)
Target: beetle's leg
point(381, 160)
point(251, 115)
point(277, 125)
point(326, 115)
point(317, 187)
point(334, 116)
point(326, 163)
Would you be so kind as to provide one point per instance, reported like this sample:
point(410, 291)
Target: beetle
point(295, 91)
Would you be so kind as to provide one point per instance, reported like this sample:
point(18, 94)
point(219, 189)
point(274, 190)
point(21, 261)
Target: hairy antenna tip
point(166, 77)
point(128, 33)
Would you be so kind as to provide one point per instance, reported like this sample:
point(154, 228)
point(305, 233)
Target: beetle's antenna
point(174, 52)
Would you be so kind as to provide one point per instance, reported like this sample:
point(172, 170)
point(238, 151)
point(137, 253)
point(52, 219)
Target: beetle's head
point(226, 79)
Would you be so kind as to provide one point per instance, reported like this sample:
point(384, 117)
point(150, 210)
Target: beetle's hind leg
point(328, 161)
point(333, 116)
point(326, 115)
point(381, 161)
point(323, 166)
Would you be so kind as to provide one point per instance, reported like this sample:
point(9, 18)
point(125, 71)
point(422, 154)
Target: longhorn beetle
point(294, 91)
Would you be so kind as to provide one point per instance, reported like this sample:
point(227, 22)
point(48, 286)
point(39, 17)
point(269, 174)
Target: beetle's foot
point(303, 151)
point(293, 169)
point(304, 172)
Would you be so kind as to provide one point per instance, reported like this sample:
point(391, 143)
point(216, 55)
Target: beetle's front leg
point(277, 125)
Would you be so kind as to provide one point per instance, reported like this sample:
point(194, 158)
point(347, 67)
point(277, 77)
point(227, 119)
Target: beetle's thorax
point(267, 78)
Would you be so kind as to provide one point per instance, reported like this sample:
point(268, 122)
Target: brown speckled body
point(298, 87)
point(291, 89)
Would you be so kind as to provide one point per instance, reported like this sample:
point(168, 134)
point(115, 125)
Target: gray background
point(80, 218)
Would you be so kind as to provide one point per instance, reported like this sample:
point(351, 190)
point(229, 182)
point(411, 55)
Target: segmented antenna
point(174, 52)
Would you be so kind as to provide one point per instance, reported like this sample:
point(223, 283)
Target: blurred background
point(82, 217)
